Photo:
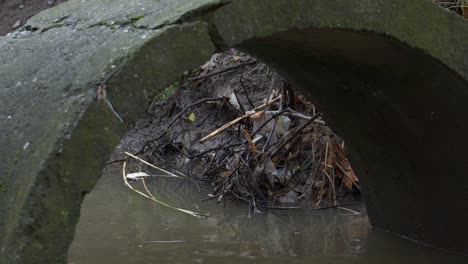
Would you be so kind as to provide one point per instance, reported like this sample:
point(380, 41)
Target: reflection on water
point(118, 226)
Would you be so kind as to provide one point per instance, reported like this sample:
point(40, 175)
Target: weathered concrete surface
point(391, 76)
point(55, 135)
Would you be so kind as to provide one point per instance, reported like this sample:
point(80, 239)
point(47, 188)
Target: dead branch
point(237, 120)
point(250, 62)
point(296, 133)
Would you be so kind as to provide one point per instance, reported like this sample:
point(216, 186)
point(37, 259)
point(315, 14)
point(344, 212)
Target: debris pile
point(238, 127)
point(458, 6)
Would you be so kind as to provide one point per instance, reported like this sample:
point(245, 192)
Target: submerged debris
point(237, 126)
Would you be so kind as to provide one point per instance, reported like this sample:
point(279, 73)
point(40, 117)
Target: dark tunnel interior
point(401, 113)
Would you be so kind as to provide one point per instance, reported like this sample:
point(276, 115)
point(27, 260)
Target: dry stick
point(146, 188)
point(349, 210)
point(243, 88)
point(332, 184)
point(275, 122)
point(239, 102)
point(211, 198)
point(201, 77)
point(237, 120)
point(178, 186)
point(108, 77)
point(296, 133)
point(238, 197)
point(163, 241)
point(323, 176)
point(288, 140)
point(115, 161)
point(254, 184)
point(333, 176)
point(213, 159)
point(272, 86)
point(171, 175)
point(293, 113)
point(227, 178)
point(293, 144)
point(214, 149)
point(250, 62)
point(267, 143)
point(338, 206)
point(102, 88)
point(242, 180)
point(346, 174)
point(274, 115)
point(289, 112)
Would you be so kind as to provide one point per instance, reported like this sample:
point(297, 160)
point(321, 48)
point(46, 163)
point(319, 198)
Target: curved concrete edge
point(400, 113)
point(41, 199)
point(417, 23)
point(392, 82)
point(66, 135)
point(41, 106)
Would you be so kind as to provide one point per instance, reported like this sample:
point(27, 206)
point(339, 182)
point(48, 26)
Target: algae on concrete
point(55, 136)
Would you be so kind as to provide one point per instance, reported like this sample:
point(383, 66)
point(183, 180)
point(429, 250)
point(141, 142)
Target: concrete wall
point(390, 76)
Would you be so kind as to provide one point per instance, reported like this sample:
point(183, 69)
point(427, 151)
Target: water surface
point(118, 226)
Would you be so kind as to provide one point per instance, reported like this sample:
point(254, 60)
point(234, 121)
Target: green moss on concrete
point(137, 17)
point(418, 23)
point(47, 100)
point(182, 11)
point(61, 151)
point(50, 118)
point(168, 92)
point(165, 58)
point(72, 171)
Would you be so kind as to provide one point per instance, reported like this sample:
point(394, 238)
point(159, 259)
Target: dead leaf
point(251, 143)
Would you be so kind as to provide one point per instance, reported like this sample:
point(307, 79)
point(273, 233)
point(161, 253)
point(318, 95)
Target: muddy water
point(117, 226)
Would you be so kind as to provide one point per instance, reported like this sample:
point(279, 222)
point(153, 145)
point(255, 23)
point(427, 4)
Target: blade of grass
point(152, 166)
point(151, 197)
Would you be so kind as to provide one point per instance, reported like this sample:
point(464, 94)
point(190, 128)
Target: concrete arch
point(390, 75)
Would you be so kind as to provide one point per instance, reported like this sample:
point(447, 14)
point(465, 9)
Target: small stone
point(17, 24)
point(50, 2)
point(21, 6)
